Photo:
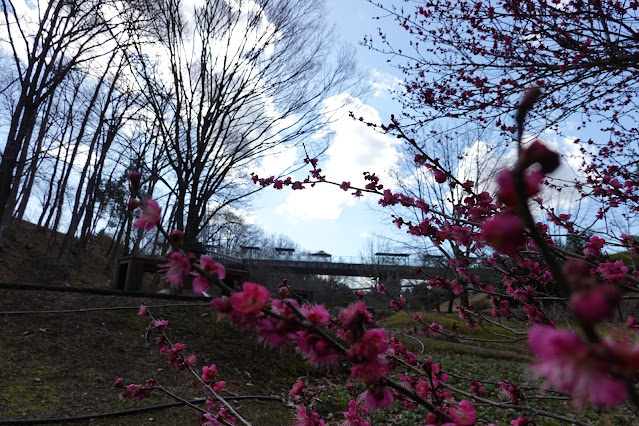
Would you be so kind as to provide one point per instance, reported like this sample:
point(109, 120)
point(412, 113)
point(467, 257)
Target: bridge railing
point(411, 260)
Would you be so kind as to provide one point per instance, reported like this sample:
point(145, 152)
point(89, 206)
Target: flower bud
point(537, 152)
point(134, 178)
point(592, 305)
point(504, 232)
point(284, 292)
point(177, 237)
point(132, 204)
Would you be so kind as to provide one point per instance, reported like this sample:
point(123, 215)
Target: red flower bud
point(132, 204)
point(134, 178)
point(504, 232)
point(177, 237)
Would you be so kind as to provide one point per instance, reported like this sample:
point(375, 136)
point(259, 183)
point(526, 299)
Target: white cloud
point(383, 83)
point(480, 163)
point(355, 148)
point(276, 163)
point(569, 172)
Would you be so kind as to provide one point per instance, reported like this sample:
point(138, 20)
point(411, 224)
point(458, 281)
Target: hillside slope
point(64, 364)
point(28, 257)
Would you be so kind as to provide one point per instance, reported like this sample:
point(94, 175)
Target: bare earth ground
point(64, 364)
point(28, 257)
point(57, 365)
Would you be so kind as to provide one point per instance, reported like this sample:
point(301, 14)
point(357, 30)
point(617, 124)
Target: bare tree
point(47, 40)
point(466, 159)
point(228, 83)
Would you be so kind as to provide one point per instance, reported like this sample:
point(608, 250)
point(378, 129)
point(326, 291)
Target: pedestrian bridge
point(398, 265)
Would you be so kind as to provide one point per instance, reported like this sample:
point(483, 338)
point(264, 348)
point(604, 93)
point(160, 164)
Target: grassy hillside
point(29, 257)
point(60, 364)
point(64, 364)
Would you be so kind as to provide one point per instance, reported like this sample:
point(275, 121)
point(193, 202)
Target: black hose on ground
point(130, 411)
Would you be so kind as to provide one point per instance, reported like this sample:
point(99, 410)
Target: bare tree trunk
point(80, 204)
point(114, 248)
point(35, 161)
point(8, 214)
point(17, 142)
point(451, 303)
point(48, 61)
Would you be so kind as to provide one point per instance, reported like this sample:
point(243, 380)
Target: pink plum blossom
point(433, 329)
point(138, 392)
point(504, 232)
point(378, 396)
point(456, 287)
point(148, 214)
point(477, 389)
point(297, 388)
point(372, 343)
point(143, 310)
point(190, 360)
point(273, 332)
point(211, 267)
point(160, 323)
point(463, 414)
point(219, 386)
point(613, 271)
point(177, 266)
point(304, 418)
point(369, 372)
point(315, 348)
point(252, 299)
point(593, 247)
point(355, 316)
point(571, 365)
point(400, 303)
point(633, 324)
point(208, 420)
point(209, 373)
point(316, 314)
point(592, 305)
point(356, 410)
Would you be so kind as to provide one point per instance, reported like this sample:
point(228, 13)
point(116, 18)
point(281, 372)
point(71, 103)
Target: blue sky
point(325, 217)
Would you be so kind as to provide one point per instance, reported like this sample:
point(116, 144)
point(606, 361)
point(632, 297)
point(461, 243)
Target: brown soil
point(64, 364)
point(31, 255)
point(57, 365)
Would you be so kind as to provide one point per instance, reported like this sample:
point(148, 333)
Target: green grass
point(457, 335)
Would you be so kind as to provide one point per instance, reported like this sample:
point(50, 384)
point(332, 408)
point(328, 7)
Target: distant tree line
point(192, 96)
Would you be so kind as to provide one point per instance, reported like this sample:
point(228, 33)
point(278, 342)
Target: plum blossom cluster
point(221, 416)
point(209, 377)
point(178, 264)
point(133, 391)
point(286, 322)
point(305, 414)
point(180, 360)
point(594, 370)
point(505, 230)
point(593, 373)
